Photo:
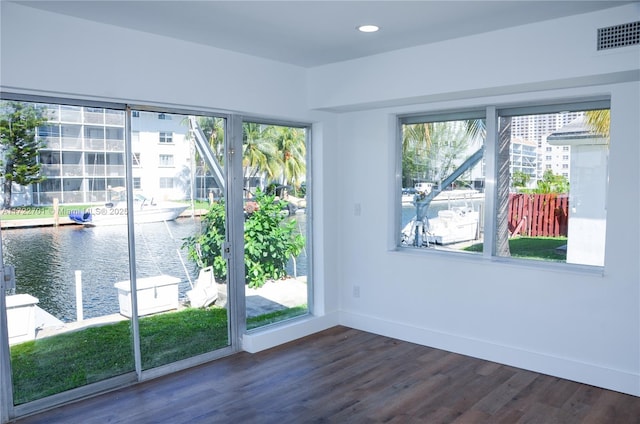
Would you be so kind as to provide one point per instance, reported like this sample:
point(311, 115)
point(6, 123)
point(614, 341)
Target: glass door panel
point(178, 180)
point(275, 231)
point(65, 329)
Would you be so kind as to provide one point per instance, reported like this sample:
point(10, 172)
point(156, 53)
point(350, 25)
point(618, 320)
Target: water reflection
point(46, 259)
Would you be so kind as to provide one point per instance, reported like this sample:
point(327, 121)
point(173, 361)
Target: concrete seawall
point(33, 222)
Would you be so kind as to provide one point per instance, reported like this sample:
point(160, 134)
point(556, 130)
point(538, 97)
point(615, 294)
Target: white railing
point(71, 143)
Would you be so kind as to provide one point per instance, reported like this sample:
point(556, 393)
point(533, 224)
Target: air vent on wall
point(619, 36)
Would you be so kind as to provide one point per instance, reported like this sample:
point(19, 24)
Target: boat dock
point(7, 224)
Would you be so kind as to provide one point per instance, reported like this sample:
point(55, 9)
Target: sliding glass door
point(144, 241)
point(178, 180)
point(102, 213)
point(65, 330)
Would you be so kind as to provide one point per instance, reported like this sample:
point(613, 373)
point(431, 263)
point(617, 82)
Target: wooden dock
point(7, 224)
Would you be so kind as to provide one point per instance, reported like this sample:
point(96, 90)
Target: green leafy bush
point(206, 249)
point(269, 241)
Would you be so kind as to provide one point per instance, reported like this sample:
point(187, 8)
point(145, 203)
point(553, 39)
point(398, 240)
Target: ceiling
point(314, 33)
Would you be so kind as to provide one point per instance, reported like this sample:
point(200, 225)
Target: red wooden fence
point(538, 215)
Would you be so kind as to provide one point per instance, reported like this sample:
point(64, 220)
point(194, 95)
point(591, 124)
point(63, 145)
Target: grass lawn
point(270, 318)
point(65, 361)
point(541, 248)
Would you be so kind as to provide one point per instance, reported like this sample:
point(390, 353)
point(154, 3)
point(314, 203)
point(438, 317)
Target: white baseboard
point(595, 375)
point(287, 331)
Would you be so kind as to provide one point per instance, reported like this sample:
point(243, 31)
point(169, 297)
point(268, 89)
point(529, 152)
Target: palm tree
point(259, 152)
point(290, 144)
point(213, 129)
point(416, 141)
point(599, 121)
point(502, 187)
point(436, 147)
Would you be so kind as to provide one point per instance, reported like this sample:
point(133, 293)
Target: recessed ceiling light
point(368, 28)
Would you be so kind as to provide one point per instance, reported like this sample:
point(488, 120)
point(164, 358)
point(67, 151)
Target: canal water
point(46, 260)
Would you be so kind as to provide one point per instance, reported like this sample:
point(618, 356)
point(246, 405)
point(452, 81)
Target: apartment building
point(534, 155)
point(84, 156)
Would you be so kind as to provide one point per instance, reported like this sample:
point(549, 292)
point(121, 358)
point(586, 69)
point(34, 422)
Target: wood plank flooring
point(343, 375)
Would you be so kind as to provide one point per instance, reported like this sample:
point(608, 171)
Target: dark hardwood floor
point(343, 375)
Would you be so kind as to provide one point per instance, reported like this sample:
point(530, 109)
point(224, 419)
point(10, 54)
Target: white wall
point(578, 325)
point(47, 52)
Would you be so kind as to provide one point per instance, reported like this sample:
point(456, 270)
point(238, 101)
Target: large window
point(276, 253)
point(136, 284)
point(560, 214)
point(442, 181)
point(548, 203)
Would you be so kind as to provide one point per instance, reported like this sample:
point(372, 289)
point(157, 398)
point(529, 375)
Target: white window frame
point(311, 310)
point(492, 113)
point(472, 114)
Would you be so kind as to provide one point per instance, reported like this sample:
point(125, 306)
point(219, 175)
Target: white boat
point(458, 194)
point(442, 196)
point(115, 213)
point(453, 225)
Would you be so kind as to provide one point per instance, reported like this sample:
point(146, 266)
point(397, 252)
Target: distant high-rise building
point(530, 132)
point(537, 127)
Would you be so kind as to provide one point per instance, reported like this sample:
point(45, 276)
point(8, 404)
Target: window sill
point(479, 258)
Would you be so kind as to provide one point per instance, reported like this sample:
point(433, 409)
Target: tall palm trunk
point(502, 188)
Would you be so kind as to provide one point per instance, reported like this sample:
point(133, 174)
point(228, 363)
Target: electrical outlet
point(357, 209)
point(356, 291)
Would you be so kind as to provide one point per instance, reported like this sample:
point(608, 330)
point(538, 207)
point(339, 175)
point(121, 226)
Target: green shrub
point(269, 241)
point(206, 249)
